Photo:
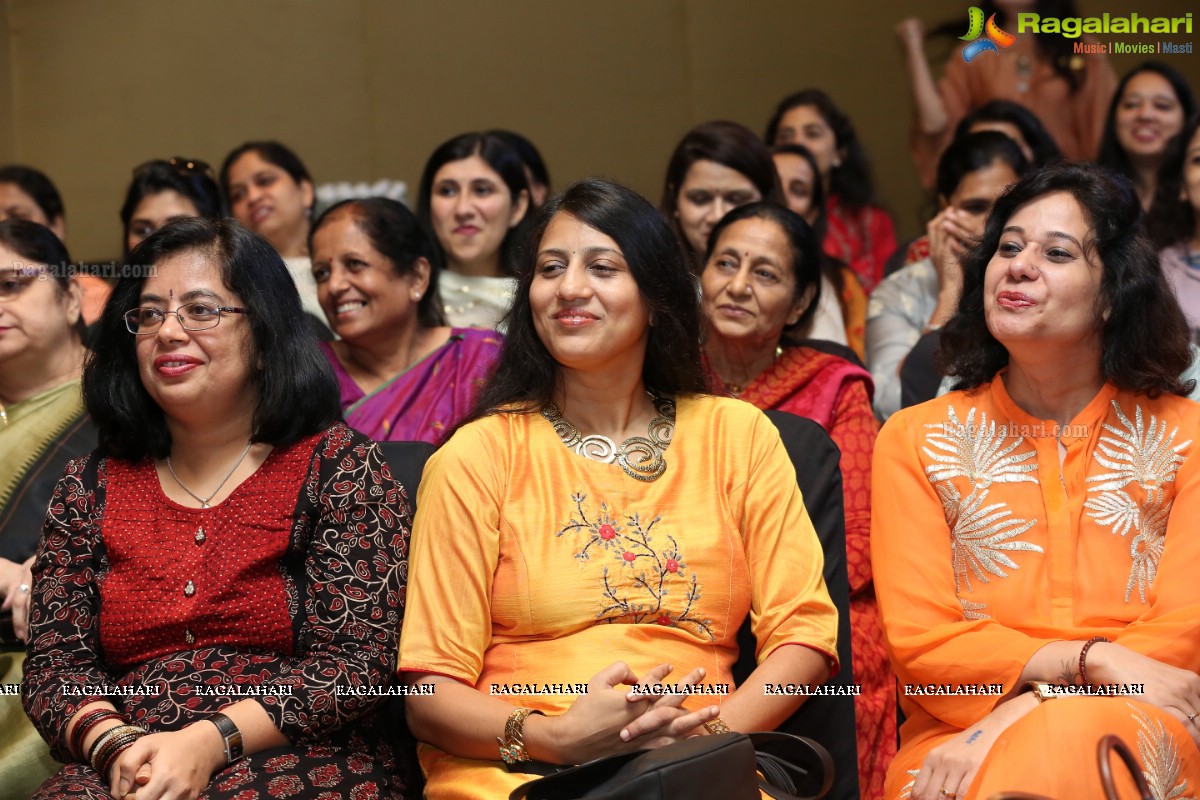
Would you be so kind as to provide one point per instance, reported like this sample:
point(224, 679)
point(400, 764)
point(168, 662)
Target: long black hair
point(526, 375)
point(297, 393)
point(38, 186)
point(1176, 221)
point(1145, 339)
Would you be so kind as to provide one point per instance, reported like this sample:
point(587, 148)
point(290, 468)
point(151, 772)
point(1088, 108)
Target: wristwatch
point(1043, 691)
point(231, 736)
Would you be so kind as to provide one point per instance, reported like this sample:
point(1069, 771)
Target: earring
point(416, 296)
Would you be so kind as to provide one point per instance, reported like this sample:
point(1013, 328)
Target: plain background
point(365, 89)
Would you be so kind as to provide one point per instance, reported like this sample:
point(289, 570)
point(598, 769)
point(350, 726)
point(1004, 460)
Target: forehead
point(340, 229)
point(757, 237)
point(13, 195)
point(705, 174)
point(188, 271)
point(248, 164)
point(568, 232)
point(167, 203)
point(793, 166)
point(1149, 83)
point(991, 180)
point(802, 116)
point(467, 169)
point(1058, 211)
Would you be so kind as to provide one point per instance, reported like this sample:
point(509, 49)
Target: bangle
point(512, 746)
point(1083, 657)
point(85, 724)
point(105, 749)
point(716, 726)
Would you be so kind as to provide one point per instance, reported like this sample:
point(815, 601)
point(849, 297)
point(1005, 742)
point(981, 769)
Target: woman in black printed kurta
point(273, 596)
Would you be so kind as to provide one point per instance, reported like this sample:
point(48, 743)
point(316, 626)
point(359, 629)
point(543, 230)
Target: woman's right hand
point(1174, 690)
point(911, 32)
point(947, 237)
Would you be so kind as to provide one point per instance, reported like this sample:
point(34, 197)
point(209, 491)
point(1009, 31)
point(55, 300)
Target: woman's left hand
point(949, 769)
point(18, 600)
point(181, 764)
point(665, 720)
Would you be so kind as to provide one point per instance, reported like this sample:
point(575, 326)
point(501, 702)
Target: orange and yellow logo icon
point(991, 33)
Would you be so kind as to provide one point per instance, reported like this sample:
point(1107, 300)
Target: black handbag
point(720, 767)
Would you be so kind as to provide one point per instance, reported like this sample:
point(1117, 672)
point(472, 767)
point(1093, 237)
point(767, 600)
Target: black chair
point(919, 376)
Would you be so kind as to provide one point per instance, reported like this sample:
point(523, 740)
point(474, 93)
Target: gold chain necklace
point(641, 457)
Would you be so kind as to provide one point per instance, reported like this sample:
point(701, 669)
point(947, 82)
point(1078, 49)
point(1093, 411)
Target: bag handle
point(1113, 743)
point(783, 772)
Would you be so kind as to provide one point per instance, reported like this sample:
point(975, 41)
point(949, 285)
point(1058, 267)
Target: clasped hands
point(606, 721)
point(176, 765)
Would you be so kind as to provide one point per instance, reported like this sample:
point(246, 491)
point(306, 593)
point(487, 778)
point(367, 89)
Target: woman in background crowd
point(859, 233)
point(404, 374)
point(474, 196)
point(760, 283)
point(1181, 257)
point(165, 190)
point(1068, 92)
point(536, 174)
point(921, 297)
point(269, 190)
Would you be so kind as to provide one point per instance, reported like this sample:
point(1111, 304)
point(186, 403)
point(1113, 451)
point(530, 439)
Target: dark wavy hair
point(1145, 338)
point(508, 165)
point(297, 393)
point(38, 186)
point(976, 151)
point(40, 245)
point(805, 247)
point(1041, 143)
point(1176, 221)
point(526, 375)
point(396, 234)
point(530, 155)
point(188, 177)
point(851, 181)
point(271, 152)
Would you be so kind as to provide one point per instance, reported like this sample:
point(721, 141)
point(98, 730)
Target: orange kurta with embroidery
point(985, 549)
point(533, 565)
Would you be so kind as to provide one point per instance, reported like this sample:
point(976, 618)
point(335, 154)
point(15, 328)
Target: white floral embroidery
point(1159, 754)
point(1147, 456)
point(906, 789)
point(980, 534)
point(977, 454)
point(1146, 549)
point(1115, 509)
point(973, 610)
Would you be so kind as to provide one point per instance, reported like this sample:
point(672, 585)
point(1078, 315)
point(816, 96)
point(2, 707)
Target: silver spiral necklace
point(641, 457)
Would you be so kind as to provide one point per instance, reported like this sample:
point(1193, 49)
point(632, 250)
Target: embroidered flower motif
point(1115, 509)
point(973, 610)
point(1145, 455)
point(981, 534)
point(906, 789)
point(649, 569)
point(977, 453)
point(1146, 549)
point(1159, 754)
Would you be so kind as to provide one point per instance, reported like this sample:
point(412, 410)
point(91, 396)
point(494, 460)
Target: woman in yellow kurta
point(1036, 527)
point(541, 567)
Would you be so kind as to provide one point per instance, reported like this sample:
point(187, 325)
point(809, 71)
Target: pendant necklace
point(204, 500)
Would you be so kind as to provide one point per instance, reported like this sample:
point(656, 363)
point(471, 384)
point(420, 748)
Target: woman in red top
point(220, 577)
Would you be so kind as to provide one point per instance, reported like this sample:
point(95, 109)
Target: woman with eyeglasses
point(42, 426)
point(164, 190)
point(231, 558)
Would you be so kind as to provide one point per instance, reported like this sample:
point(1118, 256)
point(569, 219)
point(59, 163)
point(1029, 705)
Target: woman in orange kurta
point(550, 567)
point(1036, 524)
point(760, 276)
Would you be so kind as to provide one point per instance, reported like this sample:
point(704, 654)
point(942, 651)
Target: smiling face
point(472, 210)
point(1148, 115)
point(805, 125)
point(710, 191)
point(202, 374)
point(360, 292)
point(154, 211)
point(586, 305)
point(1039, 288)
point(749, 284)
point(1191, 176)
point(268, 201)
point(36, 316)
point(797, 179)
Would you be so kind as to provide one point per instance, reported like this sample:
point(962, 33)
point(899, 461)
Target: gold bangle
point(512, 745)
point(717, 726)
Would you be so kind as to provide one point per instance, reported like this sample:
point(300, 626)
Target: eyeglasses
point(146, 320)
point(13, 282)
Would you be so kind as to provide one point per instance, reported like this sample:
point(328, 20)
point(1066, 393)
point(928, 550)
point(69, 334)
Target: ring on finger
point(1192, 717)
point(944, 792)
point(23, 588)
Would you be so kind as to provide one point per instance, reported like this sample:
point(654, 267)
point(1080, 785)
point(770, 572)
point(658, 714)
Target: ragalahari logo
point(991, 32)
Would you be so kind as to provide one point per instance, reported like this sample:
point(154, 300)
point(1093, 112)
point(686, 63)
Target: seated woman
point(27, 193)
point(269, 190)
point(760, 283)
point(474, 197)
point(1181, 256)
point(1036, 527)
point(919, 298)
point(536, 174)
point(164, 190)
point(42, 426)
point(715, 168)
point(601, 522)
point(403, 374)
point(231, 546)
point(860, 233)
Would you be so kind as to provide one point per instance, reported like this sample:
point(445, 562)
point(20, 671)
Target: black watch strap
point(231, 735)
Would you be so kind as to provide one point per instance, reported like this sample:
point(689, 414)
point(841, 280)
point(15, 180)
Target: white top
point(301, 269)
point(828, 323)
point(475, 301)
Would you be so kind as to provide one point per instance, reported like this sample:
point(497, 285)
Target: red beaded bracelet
point(86, 723)
point(1083, 657)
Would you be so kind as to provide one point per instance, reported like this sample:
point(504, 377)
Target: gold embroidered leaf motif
point(1160, 758)
point(1147, 547)
point(976, 453)
point(1115, 509)
point(973, 610)
point(1147, 456)
point(980, 535)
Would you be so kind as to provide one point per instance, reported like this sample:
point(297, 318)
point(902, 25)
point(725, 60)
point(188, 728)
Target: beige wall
point(365, 89)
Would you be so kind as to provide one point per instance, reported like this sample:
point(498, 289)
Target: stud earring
point(416, 296)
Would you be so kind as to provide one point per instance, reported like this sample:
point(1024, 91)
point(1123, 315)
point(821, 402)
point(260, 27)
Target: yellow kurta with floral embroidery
point(985, 549)
point(533, 565)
